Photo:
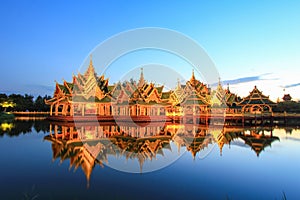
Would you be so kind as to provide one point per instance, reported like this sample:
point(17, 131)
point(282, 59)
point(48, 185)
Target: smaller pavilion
point(256, 102)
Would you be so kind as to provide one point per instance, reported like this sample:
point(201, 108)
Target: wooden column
point(55, 131)
point(82, 109)
point(56, 109)
point(102, 110)
point(64, 110)
point(99, 109)
point(71, 133)
point(51, 107)
point(72, 110)
point(139, 110)
point(112, 110)
point(63, 131)
point(82, 132)
point(50, 129)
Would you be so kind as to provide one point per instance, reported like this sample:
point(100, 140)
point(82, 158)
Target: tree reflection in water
point(19, 127)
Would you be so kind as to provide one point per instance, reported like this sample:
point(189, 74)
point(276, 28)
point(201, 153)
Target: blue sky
point(43, 41)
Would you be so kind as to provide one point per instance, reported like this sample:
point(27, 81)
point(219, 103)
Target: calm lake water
point(43, 161)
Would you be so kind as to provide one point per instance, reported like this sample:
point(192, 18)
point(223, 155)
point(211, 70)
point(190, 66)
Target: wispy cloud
point(247, 79)
point(291, 85)
point(241, 80)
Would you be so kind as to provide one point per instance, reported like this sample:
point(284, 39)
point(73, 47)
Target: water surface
point(230, 163)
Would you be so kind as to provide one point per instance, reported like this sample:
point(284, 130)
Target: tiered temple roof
point(286, 97)
point(84, 156)
point(86, 149)
point(256, 97)
point(92, 94)
point(84, 87)
point(90, 85)
point(141, 93)
point(225, 137)
point(224, 97)
point(193, 92)
point(258, 142)
point(256, 101)
point(231, 99)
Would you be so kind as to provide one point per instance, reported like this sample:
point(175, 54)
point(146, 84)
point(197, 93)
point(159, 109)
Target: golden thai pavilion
point(90, 97)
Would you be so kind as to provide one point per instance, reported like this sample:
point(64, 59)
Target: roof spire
point(220, 85)
point(142, 80)
point(178, 83)
point(91, 59)
point(90, 70)
point(193, 74)
point(193, 79)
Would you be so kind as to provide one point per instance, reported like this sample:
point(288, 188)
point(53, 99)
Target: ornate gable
point(256, 97)
point(199, 87)
point(256, 102)
point(151, 93)
point(119, 94)
point(89, 85)
point(178, 94)
point(59, 91)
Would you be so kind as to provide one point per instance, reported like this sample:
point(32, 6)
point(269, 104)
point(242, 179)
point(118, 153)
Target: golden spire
point(178, 83)
point(142, 80)
point(220, 88)
point(193, 75)
point(193, 154)
point(221, 144)
point(141, 162)
point(90, 70)
point(91, 60)
point(193, 79)
point(142, 73)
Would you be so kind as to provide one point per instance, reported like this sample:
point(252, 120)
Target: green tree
point(287, 106)
point(39, 104)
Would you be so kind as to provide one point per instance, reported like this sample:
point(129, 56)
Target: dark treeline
point(24, 127)
point(23, 103)
point(28, 103)
point(287, 106)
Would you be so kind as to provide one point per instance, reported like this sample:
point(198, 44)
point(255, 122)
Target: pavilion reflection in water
point(88, 145)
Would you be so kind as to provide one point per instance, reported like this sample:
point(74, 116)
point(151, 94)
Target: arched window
point(267, 109)
point(256, 109)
